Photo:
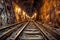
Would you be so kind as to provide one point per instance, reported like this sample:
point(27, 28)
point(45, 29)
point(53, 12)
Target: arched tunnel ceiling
point(30, 5)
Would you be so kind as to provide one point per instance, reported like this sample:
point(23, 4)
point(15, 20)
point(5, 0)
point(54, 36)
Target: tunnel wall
point(50, 11)
point(7, 15)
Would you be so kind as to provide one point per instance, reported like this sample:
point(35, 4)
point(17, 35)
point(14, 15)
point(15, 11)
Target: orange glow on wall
point(17, 11)
point(45, 10)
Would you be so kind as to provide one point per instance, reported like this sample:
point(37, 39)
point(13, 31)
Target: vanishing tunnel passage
point(29, 19)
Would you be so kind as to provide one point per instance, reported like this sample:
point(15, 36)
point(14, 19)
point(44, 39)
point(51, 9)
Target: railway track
point(31, 32)
point(5, 32)
point(51, 30)
point(45, 35)
point(16, 33)
point(28, 31)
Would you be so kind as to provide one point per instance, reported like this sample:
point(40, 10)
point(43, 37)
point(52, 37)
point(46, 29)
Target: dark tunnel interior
point(38, 10)
point(29, 19)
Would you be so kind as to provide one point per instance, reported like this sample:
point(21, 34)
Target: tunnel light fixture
point(23, 13)
point(27, 16)
point(34, 15)
point(19, 10)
